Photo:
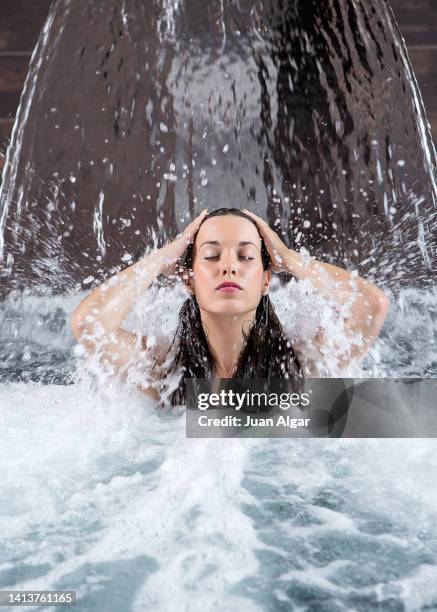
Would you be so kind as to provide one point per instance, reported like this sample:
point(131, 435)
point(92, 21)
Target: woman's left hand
point(277, 250)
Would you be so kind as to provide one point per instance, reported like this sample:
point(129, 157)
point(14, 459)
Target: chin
point(226, 305)
point(230, 307)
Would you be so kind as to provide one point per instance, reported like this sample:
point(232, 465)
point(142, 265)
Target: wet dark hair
point(267, 352)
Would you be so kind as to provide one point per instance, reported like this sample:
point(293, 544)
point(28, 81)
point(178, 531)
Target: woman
point(227, 327)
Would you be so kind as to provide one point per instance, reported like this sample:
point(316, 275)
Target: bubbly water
point(102, 494)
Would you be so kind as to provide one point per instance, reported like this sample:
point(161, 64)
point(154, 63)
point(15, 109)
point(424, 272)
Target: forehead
point(228, 229)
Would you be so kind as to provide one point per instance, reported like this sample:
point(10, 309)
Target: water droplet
point(79, 350)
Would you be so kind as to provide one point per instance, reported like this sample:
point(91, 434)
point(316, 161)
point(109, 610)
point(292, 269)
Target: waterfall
point(135, 116)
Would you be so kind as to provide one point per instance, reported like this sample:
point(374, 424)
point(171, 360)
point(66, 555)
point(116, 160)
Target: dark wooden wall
point(20, 25)
point(21, 22)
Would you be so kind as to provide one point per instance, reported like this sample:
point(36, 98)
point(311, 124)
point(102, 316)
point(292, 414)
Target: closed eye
point(244, 257)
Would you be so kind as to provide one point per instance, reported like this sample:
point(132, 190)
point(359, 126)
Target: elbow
point(82, 332)
point(383, 303)
point(87, 331)
point(80, 323)
point(83, 320)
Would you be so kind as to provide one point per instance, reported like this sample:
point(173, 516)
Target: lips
point(229, 286)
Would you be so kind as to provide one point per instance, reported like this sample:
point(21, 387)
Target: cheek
point(202, 278)
point(201, 272)
point(256, 276)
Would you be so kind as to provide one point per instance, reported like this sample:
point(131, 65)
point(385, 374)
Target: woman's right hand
point(173, 251)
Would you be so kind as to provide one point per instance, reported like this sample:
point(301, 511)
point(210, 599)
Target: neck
point(225, 338)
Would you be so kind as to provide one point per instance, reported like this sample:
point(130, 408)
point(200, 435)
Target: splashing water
point(132, 512)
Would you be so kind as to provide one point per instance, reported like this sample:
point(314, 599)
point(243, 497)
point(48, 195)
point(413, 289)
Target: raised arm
point(96, 322)
point(367, 304)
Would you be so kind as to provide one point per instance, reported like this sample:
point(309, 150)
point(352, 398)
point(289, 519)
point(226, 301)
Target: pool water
point(102, 494)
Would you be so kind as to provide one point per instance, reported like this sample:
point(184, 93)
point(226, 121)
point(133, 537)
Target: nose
point(228, 265)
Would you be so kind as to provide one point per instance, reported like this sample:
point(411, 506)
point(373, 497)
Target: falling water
point(134, 117)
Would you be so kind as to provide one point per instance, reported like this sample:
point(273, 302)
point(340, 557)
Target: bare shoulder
point(308, 364)
point(150, 392)
point(157, 347)
point(157, 352)
point(309, 353)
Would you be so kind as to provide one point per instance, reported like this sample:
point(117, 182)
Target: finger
point(249, 212)
point(201, 215)
point(191, 229)
point(252, 216)
point(255, 217)
point(197, 220)
point(270, 237)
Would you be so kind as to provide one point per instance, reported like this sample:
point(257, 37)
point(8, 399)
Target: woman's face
point(227, 249)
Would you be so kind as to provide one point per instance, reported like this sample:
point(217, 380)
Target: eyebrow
point(216, 242)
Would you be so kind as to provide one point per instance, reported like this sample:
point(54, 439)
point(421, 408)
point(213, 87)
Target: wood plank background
point(21, 22)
